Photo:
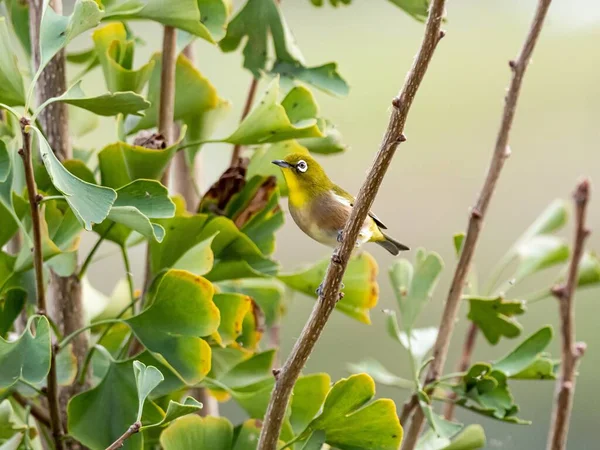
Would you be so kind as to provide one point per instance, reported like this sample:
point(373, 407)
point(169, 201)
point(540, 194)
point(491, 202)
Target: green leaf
point(471, 438)
point(90, 203)
point(260, 162)
point(325, 77)
point(349, 422)
point(194, 95)
point(121, 163)
point(19, 16)
point(28, 357)
point(233, 308)
point(418, 9)
point(116, 53)
point(308, 396)
point(13, 443)
point(97, 417)
point(526, 353)
point(441, 427)
point(361, 290)
point(485, 391)
point(420, 342)
point(589, 270)
point(137, 203)
point(4, 162)
point(258, 20)
point(248, 434)
point(270, 121)
point(380, 374)
point(205, 19)
point(235, 255)
point(315, 441)
point(175, 410)
point(12, 92)
point(180, 312)
point(330, 143)
point(103, 105)
point(12, 302)
point(494, 316)
point(268, 293)
point(56, 31)
point(198, 433)
point(458, 241)
point(250, 371)
point(542, 368)
point(414, 286)
point(540, 252)
point(198, 260)
point(146, 379)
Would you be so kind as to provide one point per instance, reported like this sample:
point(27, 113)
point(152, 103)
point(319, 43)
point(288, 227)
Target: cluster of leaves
point(213, 286)
point(485, 387)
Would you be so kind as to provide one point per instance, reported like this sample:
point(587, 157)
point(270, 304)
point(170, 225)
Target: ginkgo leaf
point(494, 316)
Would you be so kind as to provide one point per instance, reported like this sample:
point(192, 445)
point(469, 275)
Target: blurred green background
point(436, 174)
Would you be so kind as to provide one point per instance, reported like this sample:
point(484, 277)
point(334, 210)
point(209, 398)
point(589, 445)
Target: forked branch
point(331, 285)
point(570, 350)
point(501, 151)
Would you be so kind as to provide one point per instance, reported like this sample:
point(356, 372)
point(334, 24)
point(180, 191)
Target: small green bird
point(321, 208)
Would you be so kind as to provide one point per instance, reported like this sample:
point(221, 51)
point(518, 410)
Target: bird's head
point(302, 172)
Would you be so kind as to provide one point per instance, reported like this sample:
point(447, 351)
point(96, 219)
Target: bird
point(321, 208)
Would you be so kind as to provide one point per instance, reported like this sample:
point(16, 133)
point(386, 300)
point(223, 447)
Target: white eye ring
point(302, 166)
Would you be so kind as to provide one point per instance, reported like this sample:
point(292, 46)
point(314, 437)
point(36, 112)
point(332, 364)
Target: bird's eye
point(302, 166)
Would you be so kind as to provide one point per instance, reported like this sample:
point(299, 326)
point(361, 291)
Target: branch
point(38, 264)
point(167, 85)
point(570, 351)
point(135, 428)
point(339, 260)
point(463, 365)
point(40, 414)
point(501, 152)
point(237, 148)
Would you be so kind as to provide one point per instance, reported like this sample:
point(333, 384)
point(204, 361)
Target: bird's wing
point(344, 197)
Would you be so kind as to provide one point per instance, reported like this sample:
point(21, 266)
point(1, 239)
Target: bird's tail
point(391, 245)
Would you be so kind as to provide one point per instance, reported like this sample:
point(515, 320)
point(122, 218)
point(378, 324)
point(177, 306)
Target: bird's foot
point(340, 236)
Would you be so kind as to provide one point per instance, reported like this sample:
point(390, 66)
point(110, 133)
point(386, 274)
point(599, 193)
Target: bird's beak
point(283, 164)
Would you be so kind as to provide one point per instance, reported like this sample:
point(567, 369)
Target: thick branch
point(135, 428)
point(570, 350)
point(237, 149)
point(38, 264)
point(501, 151)
point(339, 260)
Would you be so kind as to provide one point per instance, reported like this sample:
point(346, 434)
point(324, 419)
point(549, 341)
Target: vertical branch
point(501, 152)
point(571, 351)
point(38, 264)
point(67, 303)
point(184, 175)
point(167, 89)
point(237, 148)
point(54, 118)
point(330, 292)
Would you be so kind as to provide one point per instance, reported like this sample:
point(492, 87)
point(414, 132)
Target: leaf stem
point(32, 387)
point(501, 152)
point(135, 428)
point(38, 263)
point(75, 333)
point(90, 256)
point(571, 351)
point(52, 197)
point(330, 293)
point(237, 148)
point(40, 414)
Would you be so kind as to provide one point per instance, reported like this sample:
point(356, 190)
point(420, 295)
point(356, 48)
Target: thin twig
point(571, 351)
point(37, 411)
point(135, 428)
point(38, 264)
point(90, 257)
point(237, 149)
point(330, 293)
point(501, 152)
point(463, 364)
